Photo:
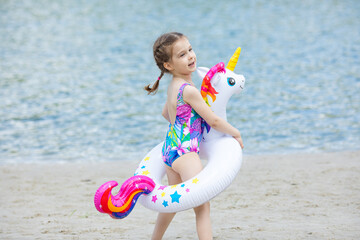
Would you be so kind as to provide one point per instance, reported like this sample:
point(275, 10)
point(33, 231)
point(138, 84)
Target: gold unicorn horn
point(233, 60)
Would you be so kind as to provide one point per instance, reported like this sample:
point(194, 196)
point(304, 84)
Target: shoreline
point(282, 196)
point(44, 161)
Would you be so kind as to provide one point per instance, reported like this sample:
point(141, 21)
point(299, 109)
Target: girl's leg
point(162, 223)
point(203, 221)
point(164, 219)
point(188, 165)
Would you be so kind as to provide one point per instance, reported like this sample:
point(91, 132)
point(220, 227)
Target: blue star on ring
point(175, 197)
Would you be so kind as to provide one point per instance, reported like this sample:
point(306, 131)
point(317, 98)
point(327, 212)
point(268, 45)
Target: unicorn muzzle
point(242, 82)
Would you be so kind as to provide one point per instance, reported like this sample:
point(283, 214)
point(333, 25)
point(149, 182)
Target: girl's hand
point(240, 141)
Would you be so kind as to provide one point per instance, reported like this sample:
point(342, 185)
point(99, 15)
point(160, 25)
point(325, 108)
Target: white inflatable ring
point(224, 161)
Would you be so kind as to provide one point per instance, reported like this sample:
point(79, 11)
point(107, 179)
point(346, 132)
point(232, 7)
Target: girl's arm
point(165, 112)
point(192, 96)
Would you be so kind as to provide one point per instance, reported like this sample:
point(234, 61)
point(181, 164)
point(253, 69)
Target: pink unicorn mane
point(206, 87)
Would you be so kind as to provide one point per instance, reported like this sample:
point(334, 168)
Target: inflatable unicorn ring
point(223, 153)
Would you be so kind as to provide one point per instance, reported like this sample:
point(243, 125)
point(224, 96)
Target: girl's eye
point(190, 49)
point(231, 81)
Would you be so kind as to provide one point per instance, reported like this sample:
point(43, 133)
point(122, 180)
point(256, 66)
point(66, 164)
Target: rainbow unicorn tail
point(120, 205)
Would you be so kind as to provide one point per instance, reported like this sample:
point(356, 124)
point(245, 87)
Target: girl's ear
point(168, 66)
point(202, 71)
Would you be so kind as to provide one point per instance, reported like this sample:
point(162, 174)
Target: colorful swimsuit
point(186, 133)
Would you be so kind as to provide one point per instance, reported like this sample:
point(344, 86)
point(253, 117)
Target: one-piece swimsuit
point(185, 134)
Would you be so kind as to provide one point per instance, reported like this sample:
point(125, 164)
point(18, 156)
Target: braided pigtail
point(155, 86)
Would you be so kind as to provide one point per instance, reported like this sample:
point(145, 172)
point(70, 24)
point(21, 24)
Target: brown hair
point(162, 50)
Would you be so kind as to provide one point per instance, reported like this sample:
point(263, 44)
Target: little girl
point(187, 112)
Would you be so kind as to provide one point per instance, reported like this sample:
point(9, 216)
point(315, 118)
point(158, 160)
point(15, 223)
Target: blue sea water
point(72, 74)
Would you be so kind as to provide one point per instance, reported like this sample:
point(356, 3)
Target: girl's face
point(183, 59)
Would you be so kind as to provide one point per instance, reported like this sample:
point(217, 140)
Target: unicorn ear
point(202, 71)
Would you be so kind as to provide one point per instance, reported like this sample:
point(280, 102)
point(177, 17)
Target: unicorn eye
point(231, 81)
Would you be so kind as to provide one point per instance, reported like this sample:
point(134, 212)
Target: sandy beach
point(302, 196)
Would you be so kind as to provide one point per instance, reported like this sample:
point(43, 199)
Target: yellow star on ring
point(163, 194)
point(173, 186)
point(195, 180)
point(145, 172)
point(147, 158)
